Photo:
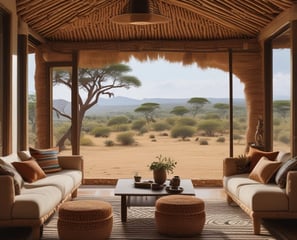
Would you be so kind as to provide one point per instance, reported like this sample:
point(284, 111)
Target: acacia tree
point(197, 103)
point(222, 107)
point(94, 82)
point(179, 110)
point(148, 109)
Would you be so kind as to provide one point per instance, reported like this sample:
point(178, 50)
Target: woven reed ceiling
point(89, 20)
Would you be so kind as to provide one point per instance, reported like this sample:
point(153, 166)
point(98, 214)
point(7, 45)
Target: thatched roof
point(90, 20)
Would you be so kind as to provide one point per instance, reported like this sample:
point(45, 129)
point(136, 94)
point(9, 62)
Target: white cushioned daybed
point(32, 188)
point(265, 186)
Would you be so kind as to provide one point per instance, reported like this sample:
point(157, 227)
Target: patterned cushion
point(281, 175)
point(264, 170)
point(254, 155)
point(17, 179)
point(29, 170)
point(47, 159)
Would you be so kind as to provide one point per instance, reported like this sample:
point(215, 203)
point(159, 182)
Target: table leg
point(124, 208)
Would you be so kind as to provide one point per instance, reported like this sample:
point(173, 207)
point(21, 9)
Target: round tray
point(174, 190)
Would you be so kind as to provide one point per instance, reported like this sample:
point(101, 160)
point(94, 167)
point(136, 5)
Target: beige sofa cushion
point(260, 197)
point(232, 183)
point(36, 202)
point(61, 181)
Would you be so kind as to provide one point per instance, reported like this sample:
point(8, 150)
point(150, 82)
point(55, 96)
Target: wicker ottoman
point(179, 215)
point(85, 219)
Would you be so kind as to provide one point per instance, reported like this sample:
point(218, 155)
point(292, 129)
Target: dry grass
point(195, 161)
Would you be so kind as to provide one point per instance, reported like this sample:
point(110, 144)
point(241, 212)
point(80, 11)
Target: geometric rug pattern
point(222, 222)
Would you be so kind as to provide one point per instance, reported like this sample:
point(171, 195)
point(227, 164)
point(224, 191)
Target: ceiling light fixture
point(140, 12)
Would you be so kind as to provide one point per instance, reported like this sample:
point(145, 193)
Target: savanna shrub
point(118, 120)
point(84, 141)
point(101, 132)
point(284, 138)
point(138, 125)
point(152, 136)
point(186, 121)
point(221, 139)
point(182, 131)
point(203, 142)
point(109, 143)
point(160, 126)
point(125, 138)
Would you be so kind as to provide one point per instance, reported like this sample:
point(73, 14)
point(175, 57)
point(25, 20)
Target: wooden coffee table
point(131, 196)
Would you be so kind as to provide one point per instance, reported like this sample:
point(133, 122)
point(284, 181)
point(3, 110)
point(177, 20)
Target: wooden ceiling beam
point(155, 46)
point(278, 23)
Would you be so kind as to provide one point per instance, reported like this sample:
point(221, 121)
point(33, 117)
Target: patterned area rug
point(222, 222)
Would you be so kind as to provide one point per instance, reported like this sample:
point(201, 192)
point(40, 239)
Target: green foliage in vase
point(165, 163)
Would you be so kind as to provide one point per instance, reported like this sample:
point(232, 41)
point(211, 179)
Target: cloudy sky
point(162, 79)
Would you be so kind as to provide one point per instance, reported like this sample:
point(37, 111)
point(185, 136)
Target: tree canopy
point(95, 83)
point(197, 103)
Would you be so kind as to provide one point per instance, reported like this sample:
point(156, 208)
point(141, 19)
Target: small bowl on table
point(156, 186)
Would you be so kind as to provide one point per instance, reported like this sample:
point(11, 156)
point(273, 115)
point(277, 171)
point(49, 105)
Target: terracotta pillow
point(29, 170)
point(264, 170)
point(47, 159)
point(254, 155)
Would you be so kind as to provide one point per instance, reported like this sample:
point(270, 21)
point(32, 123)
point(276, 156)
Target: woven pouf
point(85, 219)
point(179, 215)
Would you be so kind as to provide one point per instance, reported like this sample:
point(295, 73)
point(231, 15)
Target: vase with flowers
point(163, 166)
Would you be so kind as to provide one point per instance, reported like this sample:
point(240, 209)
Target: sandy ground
point(194, 161)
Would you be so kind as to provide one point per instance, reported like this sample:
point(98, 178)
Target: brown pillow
point(6, 170)
point(264, 170)
point(29, 170)
point(47, 159)
point(254, 155)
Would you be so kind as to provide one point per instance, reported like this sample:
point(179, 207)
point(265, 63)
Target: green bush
point(203, 142)
point(138, 125)
point(118, 120)
point(109, 143)
point(171, 121)
point(160, 126)
point(210, 126)
point(125, 138)
point(152, 136)
point(84, 141)
point(221, 139)
point(186, 121)
point(284, 138)
point(101, 132)
point(182, 131)
point(123, 127)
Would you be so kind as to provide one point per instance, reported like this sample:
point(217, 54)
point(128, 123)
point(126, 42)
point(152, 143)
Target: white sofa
point(261, 200)
point(38, 200)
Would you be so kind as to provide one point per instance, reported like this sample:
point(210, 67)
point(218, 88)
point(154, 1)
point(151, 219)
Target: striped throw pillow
point(47, 159)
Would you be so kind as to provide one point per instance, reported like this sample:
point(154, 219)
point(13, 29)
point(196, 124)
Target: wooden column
point(75, 134)
point(43, 102)
point(231, 102)
point(294, 87)
point(268, 116)
point(22, 92)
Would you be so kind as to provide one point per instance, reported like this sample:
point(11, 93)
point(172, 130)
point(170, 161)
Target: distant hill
point(121, 104)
